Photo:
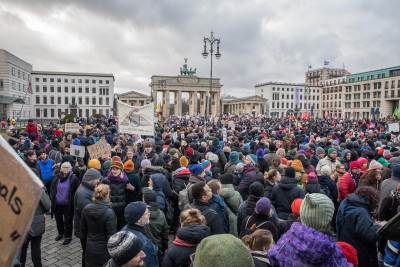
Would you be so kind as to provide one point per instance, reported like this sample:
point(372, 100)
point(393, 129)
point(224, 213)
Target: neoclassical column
point(202, 103)
point(165, 107)
point(178, 103)
point(194, 102)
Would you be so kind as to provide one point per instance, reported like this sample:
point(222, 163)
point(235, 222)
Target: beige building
point(134, 98)
point(368, 94)
point(318, 76)
point(245, 105)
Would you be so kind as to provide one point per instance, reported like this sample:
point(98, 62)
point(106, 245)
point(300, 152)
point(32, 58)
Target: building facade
point(364, 95)
point(134, 98)
point(245, 105)
point(80, 94)
point(317, 77)
point(15, 90)
point(294, 97)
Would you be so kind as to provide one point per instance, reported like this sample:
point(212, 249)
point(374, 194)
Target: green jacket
point(158, 227)
point(232, 200)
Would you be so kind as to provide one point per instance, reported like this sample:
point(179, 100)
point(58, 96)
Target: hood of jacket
point(354, 201)
point(158, 181)
point(227, 191)
point(195, 179)
point(97, 212)
point(305, 246)
point(287, 183)
point(193, 233)
point(155, 212)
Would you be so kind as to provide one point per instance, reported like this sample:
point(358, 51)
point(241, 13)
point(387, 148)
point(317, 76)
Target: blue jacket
point(392, 256)
point(149, 248)
point(46, 170)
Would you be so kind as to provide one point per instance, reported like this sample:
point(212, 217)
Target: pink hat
point(374, 165)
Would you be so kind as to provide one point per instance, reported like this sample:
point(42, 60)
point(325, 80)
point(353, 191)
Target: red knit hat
point(349, 252)
point(296, 206)
point(189, 151)
point(354, 165)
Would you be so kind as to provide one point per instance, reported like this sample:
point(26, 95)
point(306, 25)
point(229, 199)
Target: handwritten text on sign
point(99, 150)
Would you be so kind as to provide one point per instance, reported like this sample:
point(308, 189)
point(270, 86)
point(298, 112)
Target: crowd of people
point(229, 191)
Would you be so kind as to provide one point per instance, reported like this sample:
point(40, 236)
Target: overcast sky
point(261, 40)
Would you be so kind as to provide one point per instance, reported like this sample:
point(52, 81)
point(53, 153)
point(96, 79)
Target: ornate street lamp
point(210, 41)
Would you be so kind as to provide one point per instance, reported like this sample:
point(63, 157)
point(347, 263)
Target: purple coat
point(306, 247)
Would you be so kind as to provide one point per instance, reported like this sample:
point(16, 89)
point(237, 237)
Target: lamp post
point(210, 41)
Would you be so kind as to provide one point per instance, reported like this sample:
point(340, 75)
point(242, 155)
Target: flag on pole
point(326, 62)
point(29, 89)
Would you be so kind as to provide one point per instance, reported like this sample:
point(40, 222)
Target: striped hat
point(123, 246)
point(316, 211)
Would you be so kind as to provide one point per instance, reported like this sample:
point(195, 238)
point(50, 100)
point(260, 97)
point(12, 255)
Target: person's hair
point(191, 216)
point(30, 153)
point(370, 194)
point(369, 178)
point(198, 190)
point(215, 185)
point(101, 192)
point(272, 173)
point(258, 240)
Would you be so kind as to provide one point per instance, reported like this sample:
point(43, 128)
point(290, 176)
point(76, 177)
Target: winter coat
point(132, 196)
point(327, 184)
point(73, 186)
point(38, 222)
point(268, 185)
point(326, 161)
point(55, 155)
point(246, 209)
point(260, 259)
point(306, 247)
point(260, 222)
point(392, 256)
point(98, 223)
point(213, 219)
point(184, 245)
point(180, 179)
point(312, 186)
point(283, 194)
point(354, 225)
point(46, 170)
point(232, 201)
point(83, 196)
point(386, 187)
point(149, 248)
point(117, 192)
point(217, 203)
point(249, 176)
point(347, 185)
point(158, 227)
point(145, 174)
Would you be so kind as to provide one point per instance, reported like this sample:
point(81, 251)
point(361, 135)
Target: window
point(51, 89)
point(66, 80)
point(37, 88)
point(93, 101)
point(93, 90)
point(44, 89)
point(59, 89)
point(37, 99)
point(80, 100)
point(87, 113)
point(13, 73)
point(72, 80)
point(80, 90)
point(107, 101)
point(59, 112)
point(100, 101)
point(94, 111)
point(45, 100)
point(66, 89)
point(101, 82)
point(44, 80)
point(73, 89)
point(59, 80)
point(66, 100)
point(79, 80)
point(87, 90)
point(52, 113)
point(107, 112)
point(107, 82)
point(93, 81)
point(87, 100)
point(52, 80)
point(86, 81)
point(273, 104)
point(73, 100)
point(45, 113)
point(37, 113)
point(59, 100)
point(52, 100)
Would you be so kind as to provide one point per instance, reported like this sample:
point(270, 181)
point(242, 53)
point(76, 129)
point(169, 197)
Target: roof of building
point(282, 83)
point(372, 74)
point(133, 92)
point(243, 99)
point(11, 99)
point(39, 72)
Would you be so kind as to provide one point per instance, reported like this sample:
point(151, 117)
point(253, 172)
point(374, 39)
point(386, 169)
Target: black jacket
point(246, 209)
point(83, 197)
point(261, 222)
point(98, 223)
point(214, 221)
point(117, 194)
point(328, 184)
point(283, 194)
point(354, 225)
point(38, 221)
point(260, 259)
point(187, 238)
point(73, 186)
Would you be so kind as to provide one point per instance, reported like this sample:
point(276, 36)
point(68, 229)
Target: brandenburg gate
point(198, 89)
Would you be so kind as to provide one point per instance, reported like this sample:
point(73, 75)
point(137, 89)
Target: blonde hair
point(260, 240)
point(191, 216)
point(215, 185)
point(101, 192)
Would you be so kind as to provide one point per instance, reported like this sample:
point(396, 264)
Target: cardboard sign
point(72, 127)
point(393, 127)
point(77, 151)
point(20, 192)
point(99, 150)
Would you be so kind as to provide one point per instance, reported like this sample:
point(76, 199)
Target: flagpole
point(26, 93)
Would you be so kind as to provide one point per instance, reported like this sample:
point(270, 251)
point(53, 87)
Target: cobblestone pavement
point(54, 253)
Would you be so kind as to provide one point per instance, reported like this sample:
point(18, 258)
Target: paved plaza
point(54, 253)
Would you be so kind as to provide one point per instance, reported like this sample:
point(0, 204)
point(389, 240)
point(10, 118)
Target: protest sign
point(72, 127)
point(138, 120)
point(99, 150)
point(393, 127)
point(77, 151)
point(20, 192)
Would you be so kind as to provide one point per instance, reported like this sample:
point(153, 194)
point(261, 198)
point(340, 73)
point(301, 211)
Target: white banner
point(393, 127)
point(136, 120)
point(77, 151)
point(72, 127)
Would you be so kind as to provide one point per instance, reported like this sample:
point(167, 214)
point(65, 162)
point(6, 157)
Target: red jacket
point(346, 186)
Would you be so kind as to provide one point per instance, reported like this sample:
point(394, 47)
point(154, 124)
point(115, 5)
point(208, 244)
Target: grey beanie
point(90, 175)
point(123, 246)
point(316, 211)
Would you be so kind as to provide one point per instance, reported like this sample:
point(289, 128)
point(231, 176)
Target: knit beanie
point(149, 196)
point(90, 175)
point(226, 178)
point(316, 211)
point(374, 165)
point(319, 150)
point(256, 189)
point(252, 158)
point(129, 166)
point(396, 170)
point(189, 151)
point(196, 169)
point(184, 161)
point(331, 150)
point(206, 165)
point(312, 177)
point(222, 250)
point(123, 246)
point(349, 252)
point(295, 206)
point(116, 162)
point(234, 156)
point(94, 163)
point(173, 152)
point(297, 165)
point(325, 170)
point(263, 206)
point(354, 165)
point(260, 153)
point(134, 211)
point(384, 162)
point(106, 166)
point(290, 172)
point(145, 163)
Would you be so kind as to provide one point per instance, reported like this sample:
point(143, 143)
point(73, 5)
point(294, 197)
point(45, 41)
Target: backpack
point(247, 230)
point(326, 191)
point(183, 198)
